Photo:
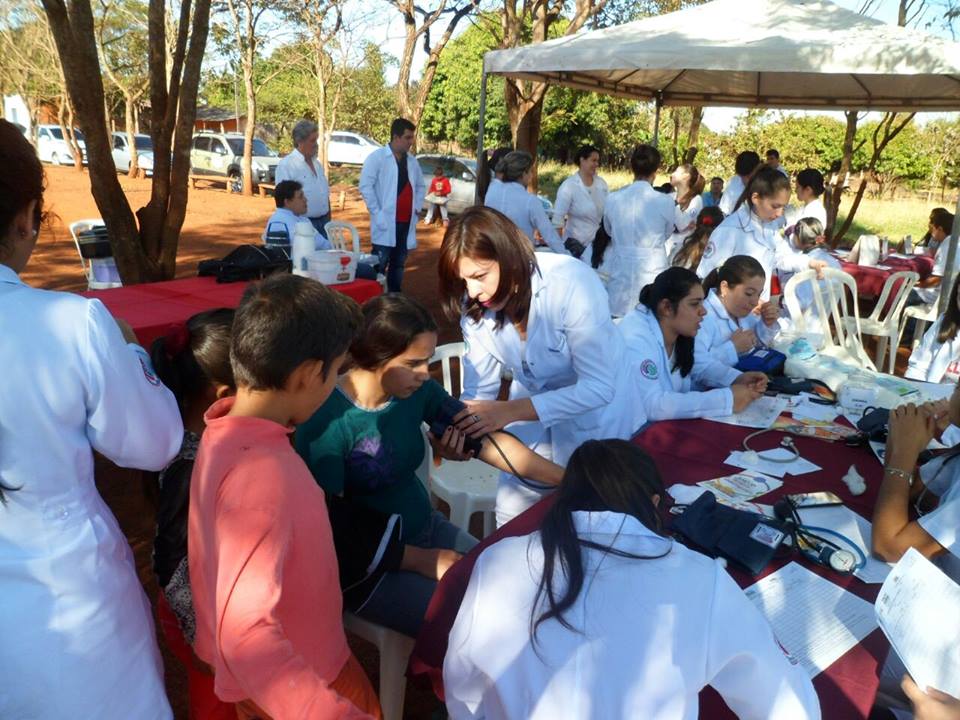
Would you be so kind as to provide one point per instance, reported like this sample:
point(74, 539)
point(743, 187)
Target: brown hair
point(482, 233)
point(390, 324)
point(696, 182)
point(21, 182)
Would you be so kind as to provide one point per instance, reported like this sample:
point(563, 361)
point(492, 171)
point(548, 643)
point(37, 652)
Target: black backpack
point(247, 262)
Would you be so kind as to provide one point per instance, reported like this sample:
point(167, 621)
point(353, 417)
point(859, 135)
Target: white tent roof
point(753, 53)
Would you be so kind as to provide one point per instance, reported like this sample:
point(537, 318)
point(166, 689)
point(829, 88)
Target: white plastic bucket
point(332, 267)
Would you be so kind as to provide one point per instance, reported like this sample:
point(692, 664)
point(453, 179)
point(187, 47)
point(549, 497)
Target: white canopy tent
point(803, 54)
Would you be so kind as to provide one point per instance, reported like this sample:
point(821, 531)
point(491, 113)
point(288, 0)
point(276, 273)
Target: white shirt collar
point(8, 275)
point(717, 304)
point(619, 530)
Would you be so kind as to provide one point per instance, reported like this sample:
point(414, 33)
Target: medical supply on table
point(332, 267)
point(812, 543)
point(786, 442)
point(858, 393)
point(856, 483)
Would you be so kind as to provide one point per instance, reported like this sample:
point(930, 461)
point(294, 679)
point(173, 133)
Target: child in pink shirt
point(262, 565)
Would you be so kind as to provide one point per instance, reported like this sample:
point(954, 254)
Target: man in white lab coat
point(302, 165)
point(393, 189)
point(744, 166)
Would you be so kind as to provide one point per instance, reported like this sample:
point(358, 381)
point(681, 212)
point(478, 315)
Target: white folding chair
point(345, 236)
point(886, 323)
point(467, 487)
point(923, 314)
point(77, 227)
point(394, 649)
point(828, 310)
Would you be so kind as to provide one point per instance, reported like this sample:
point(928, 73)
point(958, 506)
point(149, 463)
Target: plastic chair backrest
point(442, 355)
point(77, 227)
point(343, 236)
point(906, 279)
point(832, 306)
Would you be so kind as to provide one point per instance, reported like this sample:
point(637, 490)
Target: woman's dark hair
point(673, 285)
point(486, 168)
point(598, 249)
point(942, 218)
point(482, 233)
point(811, 178)
point(736, 270)
point(644, 161)
point(691, 251)
point(514, 165)
point(695, 185)
point(583, 152)
point(21, 182)
point(190, 358)
point(766, 182)
point(950, 322)
point(602, 476)
point(390, 324)
point(746, 163)
point(806, 231)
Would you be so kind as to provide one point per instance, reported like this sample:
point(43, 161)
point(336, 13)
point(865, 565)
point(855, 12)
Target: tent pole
point(950, 274)
point(480, 150)
point(658, 103)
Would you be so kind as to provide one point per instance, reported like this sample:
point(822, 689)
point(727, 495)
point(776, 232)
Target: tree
point(147, 252)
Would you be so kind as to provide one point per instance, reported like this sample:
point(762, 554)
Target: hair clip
point(176, 339)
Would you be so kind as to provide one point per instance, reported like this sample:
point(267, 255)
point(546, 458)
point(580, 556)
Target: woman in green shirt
point(365, 444)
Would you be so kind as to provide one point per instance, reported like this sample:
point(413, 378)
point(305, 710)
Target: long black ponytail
point(672, 285)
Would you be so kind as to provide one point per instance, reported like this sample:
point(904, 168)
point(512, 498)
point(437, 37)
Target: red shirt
point(440, 186)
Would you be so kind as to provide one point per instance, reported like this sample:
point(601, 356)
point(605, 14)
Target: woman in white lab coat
point(808, 189)
point(545, 318)
point(737, 321)
point(581, 199)
point(609, 618)
point(524, 208)
point(76, 635)
point(687, 185)
point(937, 358)
point(659, 335)
point(638, 220)
point(754, 229)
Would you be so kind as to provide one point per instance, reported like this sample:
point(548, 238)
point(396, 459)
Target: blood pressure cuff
point(748, 539)
point(762, 359)
point(368, 545)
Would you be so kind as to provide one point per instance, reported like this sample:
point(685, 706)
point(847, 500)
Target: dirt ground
point(216, 221)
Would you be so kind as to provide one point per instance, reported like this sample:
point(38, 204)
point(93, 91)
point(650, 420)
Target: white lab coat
point(715, 355)
point(813, 209)
point(743, 234)
point(648, 635)
point(931, 295)
point(315, 187)
point(583, 211)
point(681, 219)
point(943, 523)
point(76, 635)
point(639, 220)
point(571, 366)
point(931, 359)
point(525, 210)
point(731, 193)
point(664, 393)
point(378, 186)
point(285, 219)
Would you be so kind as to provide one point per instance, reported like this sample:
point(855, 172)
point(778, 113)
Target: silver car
point(121, 152)
point(221, 155)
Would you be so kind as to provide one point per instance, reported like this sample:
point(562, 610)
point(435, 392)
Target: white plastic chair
point(345, 236)
point(394, 649)
point(923, 314)
point(886, 325)
point(838, 338)
point(77, 227)
point(467, 487)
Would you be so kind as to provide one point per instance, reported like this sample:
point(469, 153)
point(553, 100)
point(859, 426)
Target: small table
point(151, 308)
point(870, 279)
point(688, 451)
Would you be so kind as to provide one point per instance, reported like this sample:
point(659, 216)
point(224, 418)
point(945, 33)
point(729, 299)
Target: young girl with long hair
point(601, 615)
point(689, 254)
point(687, 184)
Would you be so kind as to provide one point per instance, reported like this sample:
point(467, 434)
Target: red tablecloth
point(870, 280)
point(151, 308)
point(689, 451)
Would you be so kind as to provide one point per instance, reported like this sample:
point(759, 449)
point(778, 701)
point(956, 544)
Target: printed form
point(815, 621)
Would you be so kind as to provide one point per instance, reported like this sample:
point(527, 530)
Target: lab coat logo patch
point(709, 250)
point(648, 368)
point(149, 374)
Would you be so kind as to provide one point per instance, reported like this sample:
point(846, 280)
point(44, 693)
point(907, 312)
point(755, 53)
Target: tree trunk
point(836, 180)
point(131, 134)
point(248, 128)
point(525, 118)
point(693, 135)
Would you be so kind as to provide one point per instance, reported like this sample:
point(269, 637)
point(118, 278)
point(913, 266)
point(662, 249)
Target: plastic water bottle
point(302, 247)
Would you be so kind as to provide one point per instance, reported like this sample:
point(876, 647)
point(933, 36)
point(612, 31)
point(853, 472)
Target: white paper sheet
point(741, 487)
point(806, 410)
point(851, 525)
point(767, 467)
point(919, 611)
point(759, 414)
point(814, 620)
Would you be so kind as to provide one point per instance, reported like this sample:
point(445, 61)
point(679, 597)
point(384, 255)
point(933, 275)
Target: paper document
point(815, 621)
point(857, 529)
point(688, 494)
point(759, 414)
point(919, 611)
point(741, 487)
point(766, 465)
point(803, 409)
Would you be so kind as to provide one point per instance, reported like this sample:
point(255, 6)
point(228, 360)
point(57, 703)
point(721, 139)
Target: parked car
point(121, 152)
point(462, 173)
point(52, 146)
point(349, 148)
point(221, 155)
